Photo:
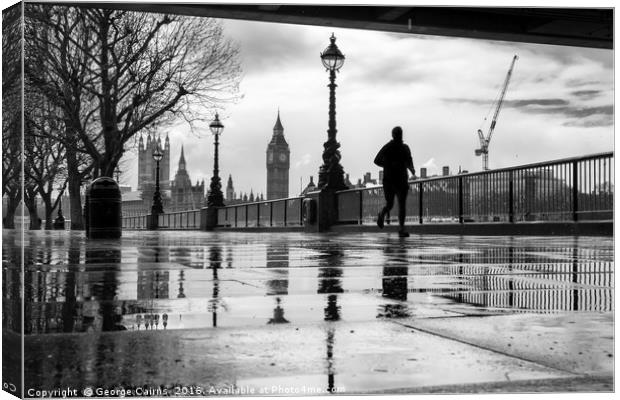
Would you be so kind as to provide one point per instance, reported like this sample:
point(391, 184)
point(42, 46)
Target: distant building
point(347, 181)
point(184, 196)
point(311, 187)
point(278, 164)
point(230, 190)
point(368, 181)
point(147, 167)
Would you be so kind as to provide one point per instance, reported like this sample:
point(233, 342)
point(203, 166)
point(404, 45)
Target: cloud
point(576, 112)
point(430, 164)
point(578, 82)
point(595, 122)
point(586, 94)
point(268, 46)
point(437, 89)
point(512, 103)
point(305, 160)
point(535, 102)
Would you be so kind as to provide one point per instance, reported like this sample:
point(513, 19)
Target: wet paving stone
point(369, 312)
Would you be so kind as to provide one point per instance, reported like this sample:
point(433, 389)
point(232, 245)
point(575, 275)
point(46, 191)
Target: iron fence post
point(421, 202)
point(359, 221)
point(461, 219)
point(511, 205)
point(575, 191)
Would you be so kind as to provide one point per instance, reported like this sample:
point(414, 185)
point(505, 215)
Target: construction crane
point(484, 142)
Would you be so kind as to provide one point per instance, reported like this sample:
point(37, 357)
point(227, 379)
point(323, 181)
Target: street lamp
point(117, 171)
point(157, 207)
point(331, 173)
point(215, 198)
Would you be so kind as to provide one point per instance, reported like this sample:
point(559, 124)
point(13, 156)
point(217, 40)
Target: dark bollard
point(104, 209)
point(59, 223)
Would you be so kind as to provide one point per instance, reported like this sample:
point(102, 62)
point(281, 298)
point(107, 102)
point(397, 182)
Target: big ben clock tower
point(278, 164)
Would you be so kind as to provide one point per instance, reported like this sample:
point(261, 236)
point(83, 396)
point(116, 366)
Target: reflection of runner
point(395, 158)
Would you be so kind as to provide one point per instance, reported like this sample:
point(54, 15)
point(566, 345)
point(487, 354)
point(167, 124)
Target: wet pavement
point(304, 314)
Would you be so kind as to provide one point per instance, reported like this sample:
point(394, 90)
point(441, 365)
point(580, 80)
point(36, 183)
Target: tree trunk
point(75, 178)
point(8, 222)
point(49, 218)
point(49, 210)
point(31, 205)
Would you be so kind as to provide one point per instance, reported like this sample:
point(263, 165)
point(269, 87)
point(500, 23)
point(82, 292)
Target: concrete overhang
point(581, 27)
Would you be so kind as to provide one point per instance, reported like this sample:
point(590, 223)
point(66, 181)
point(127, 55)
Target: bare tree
point(55, 60)
point(116, 73)
point(152, 69)
point(44, 159)
point(11, 112)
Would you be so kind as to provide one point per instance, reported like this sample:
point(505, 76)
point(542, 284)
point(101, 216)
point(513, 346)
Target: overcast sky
point(559, 103)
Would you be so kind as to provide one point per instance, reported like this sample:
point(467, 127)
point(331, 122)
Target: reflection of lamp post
point(215, 198)
point(331, 174)
point(158, 207)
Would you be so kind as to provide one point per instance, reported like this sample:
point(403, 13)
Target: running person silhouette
point(395, 159)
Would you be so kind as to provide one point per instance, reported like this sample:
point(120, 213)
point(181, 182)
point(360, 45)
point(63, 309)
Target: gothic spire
point(182, 159)
point(278, 132)
point(278, 126)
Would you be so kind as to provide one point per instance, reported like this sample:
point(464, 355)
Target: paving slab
point(366, 312)
point(581, 343)
point(353, 357)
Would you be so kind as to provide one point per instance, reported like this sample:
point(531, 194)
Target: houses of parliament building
point(180, 194)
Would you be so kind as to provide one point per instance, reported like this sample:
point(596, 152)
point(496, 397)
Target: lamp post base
point(152, 222)
point(326, 209)
point(59, 223)
point(331, 173)
point(331, 177)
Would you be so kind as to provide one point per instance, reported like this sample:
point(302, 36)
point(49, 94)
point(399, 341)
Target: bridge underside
point(554, 26)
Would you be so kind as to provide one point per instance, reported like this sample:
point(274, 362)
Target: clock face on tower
point(282, 157)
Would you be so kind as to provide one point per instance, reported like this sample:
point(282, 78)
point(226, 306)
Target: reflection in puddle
point(260, 300)
point(166, 281)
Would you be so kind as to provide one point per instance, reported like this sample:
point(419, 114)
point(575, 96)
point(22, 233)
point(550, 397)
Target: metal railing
point(135, 222)
point(270, 213)
point(176, 220)
point(179, 220)
point(573, 189)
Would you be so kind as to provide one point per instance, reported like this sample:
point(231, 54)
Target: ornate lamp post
point(158, 207)
point(215, 198)
point(117, 171)
point(331, 174)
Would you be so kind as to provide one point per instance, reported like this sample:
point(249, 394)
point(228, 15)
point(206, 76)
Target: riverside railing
point(175, 220)
point(270, 213)
point(135, 222)
point(179, 220)
point(573, 189)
